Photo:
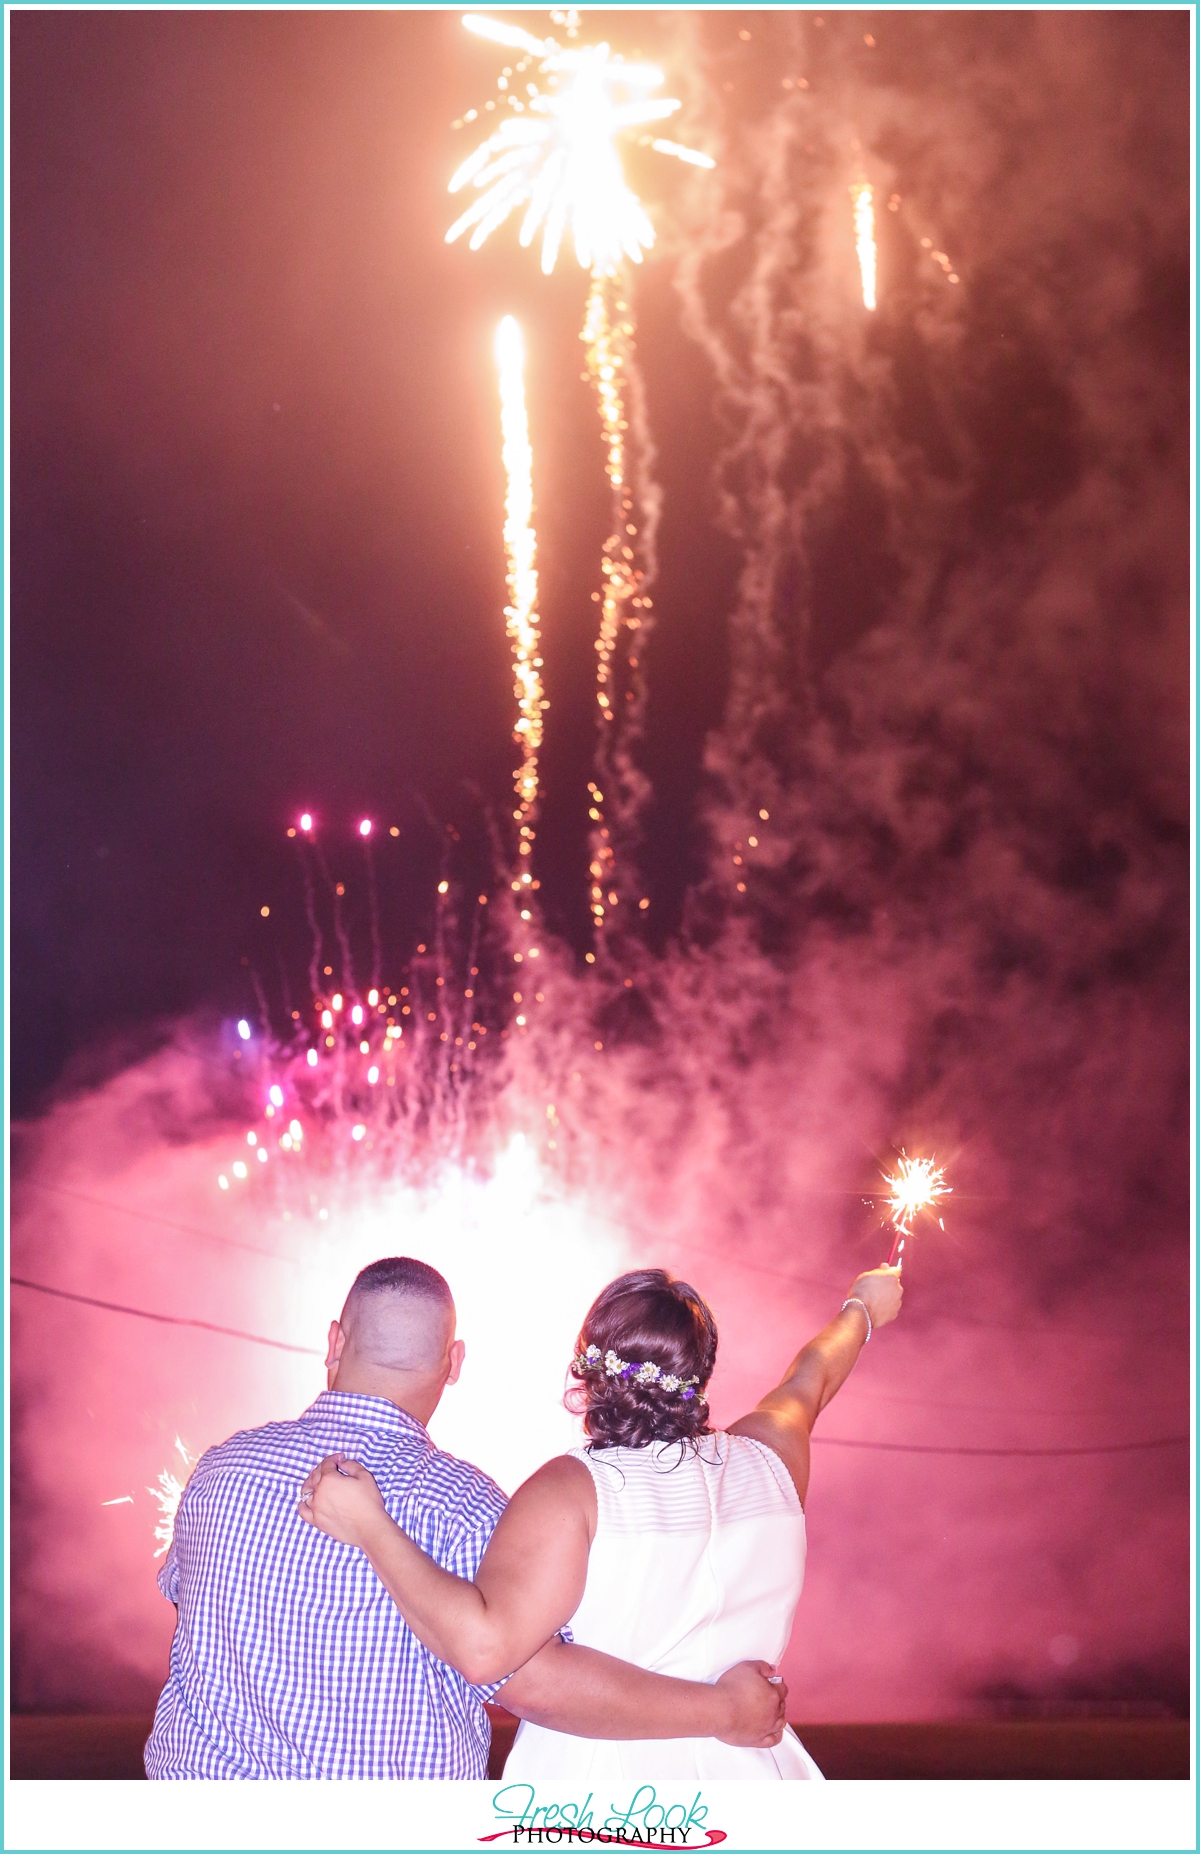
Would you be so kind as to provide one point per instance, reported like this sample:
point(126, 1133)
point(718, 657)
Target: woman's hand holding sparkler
point(879, 1293)
point(341, 1498)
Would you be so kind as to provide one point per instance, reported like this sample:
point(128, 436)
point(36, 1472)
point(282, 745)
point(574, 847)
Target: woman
point(661, 1542)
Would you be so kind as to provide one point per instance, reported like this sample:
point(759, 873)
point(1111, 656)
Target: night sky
point(922, 599)
point(257, 497)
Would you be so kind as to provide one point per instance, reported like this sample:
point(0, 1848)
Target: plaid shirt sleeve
point(464, 1560)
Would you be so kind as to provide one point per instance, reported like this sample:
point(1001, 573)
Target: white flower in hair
point(613, 1365)
point(647, 1373)
point(670, 1383)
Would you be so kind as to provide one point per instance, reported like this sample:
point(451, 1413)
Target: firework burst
point(557, 156)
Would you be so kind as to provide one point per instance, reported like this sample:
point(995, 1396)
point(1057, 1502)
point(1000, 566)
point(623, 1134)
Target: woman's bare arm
point(784, 1418)
point(529, 1584)
point(574, 1689)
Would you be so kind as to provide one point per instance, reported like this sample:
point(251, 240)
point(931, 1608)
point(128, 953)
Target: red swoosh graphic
point(714, 1835)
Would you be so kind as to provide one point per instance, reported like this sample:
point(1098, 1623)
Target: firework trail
point(520, 543)
point(864, 238)
point(626, 565)
point(557, 156)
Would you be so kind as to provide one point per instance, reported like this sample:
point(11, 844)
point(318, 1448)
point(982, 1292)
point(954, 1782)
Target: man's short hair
point(403, 1274)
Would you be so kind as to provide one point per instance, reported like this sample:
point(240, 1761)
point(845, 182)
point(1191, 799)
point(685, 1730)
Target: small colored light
point(239, 1170)
point(243, 1030)
point(252, 1139)
point(327, 1019)
point(337, 1001)
point(358, 1132)
point(372, 998)
point(356, 1015)
point(372, 1076)
point(364, 829)
point(443, 888)
point(295, 1129)
point(306, 821)
point(312, 1058)
point(223, 1182)
point(262, 1153)
point(276, 1095)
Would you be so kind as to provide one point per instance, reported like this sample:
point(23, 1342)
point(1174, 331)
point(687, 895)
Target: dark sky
point(256, 496)
point(256, 558)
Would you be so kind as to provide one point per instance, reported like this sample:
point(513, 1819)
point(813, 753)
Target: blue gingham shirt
point(290, 1659)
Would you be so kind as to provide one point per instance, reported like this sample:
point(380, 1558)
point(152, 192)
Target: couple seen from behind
point(349, 1596)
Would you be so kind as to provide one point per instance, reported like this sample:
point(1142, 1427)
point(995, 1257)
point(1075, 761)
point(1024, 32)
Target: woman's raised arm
point(784, 1418)
point(529, 1584)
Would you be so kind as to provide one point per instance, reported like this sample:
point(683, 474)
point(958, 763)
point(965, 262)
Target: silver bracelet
point(852, 1300)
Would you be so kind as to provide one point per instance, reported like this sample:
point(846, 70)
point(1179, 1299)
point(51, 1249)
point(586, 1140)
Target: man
point(290, 1659)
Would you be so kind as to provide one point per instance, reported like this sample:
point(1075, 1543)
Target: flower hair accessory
point(649, 1373)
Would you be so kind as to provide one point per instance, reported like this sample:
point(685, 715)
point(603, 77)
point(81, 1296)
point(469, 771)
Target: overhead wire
point(164, 1319)
point(903, 1448)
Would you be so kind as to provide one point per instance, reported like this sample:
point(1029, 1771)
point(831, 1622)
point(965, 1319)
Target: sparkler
point(919, 1184)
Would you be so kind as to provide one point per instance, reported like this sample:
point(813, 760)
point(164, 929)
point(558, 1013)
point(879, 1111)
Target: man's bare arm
point(574, 1689)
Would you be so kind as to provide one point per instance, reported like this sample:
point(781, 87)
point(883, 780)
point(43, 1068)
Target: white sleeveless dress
point(697, 1563)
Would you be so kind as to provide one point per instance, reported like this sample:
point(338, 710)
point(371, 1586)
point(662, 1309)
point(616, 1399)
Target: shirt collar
point(363, 1411)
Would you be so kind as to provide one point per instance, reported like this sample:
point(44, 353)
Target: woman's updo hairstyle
point(645, 1317)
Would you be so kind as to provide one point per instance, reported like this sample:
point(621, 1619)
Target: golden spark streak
point(606, 344)
point(918, 1185)
point(864, 238)
point(520, 543)
point(557, 156)
point(691, 155)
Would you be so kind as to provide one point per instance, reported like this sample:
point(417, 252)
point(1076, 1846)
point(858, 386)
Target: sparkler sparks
point(557, 155)
point(864, 238)
point(168, 1493)
point(520, 542)
point(918, 1185)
